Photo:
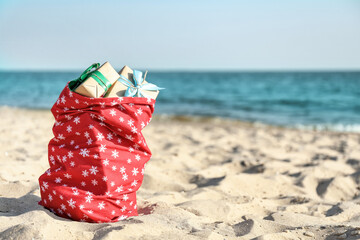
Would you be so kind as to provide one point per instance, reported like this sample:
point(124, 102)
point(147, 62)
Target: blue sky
point(181, 35)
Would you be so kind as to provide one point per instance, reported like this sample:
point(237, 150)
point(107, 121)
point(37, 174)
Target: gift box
point(95, 83)
point(132, 83)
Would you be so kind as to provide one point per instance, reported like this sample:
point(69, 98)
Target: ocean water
point(321, 100)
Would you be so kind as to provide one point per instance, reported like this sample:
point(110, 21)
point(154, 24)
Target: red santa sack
point(96, 157)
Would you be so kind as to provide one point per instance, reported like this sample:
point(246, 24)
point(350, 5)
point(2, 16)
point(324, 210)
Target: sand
point(207, 179)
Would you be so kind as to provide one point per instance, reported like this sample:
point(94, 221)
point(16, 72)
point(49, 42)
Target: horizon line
point(199, 70)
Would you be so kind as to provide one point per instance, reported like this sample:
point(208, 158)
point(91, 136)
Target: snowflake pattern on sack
point(96, 158)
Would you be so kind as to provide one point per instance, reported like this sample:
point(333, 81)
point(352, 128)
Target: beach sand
point(207, 179)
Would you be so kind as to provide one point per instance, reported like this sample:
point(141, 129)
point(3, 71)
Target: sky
point(180, 35)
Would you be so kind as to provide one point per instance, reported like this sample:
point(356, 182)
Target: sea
point(309, 100)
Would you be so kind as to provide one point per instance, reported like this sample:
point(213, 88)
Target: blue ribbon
point(136, 88)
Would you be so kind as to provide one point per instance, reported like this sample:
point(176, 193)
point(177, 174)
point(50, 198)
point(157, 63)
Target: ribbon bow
point(136, 88)
point(89, 72)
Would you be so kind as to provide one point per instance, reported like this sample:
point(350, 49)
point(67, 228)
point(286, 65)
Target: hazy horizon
point(198, 70)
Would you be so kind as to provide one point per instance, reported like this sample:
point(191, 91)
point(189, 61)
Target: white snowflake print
point(130, 122)
point(61, 137)
point(81, 206)
point(94, 182)
point(113, 168)
point(106, 162)
point(137, 157)
point(134, 183)
point(121, 119)
point(50, 197)
point(100, 137)
point(122, 169)
point(71, 203)
point(86, 134)
point(112, 112)
point(63, 207)
point(105, 178)
point(45, 185)
point(129, 137)
point(76, 120)
point(101, 118)
point(89, 141)
point(69, 129)
point(85, 173)
point(72, 164)
point(83, 183)
point(91, 126)
point(125, 177)
point(112, 183)
point(84, 152)
point(101, 205)
point(63, 99)
point(114, 154)
point(93, 170)
point(109, 136)
point(125, 197)
point(70, 154)
point(131, 149)
point(58, 180)
point(67, 175)
point(134, 129)
point(89, 198)
point(139, 111)
point(135, 171)
point(102, 148)
point(119, 189)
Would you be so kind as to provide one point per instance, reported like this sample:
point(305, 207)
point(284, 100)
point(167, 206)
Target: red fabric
point(96, 157)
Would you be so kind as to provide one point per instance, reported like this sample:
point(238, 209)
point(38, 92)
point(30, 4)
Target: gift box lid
point(118, 89)
point(95, 85)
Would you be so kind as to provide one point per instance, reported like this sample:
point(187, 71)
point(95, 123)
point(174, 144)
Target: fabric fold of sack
point(96, 157)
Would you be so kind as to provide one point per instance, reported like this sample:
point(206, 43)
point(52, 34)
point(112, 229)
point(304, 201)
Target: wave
point(331, 127)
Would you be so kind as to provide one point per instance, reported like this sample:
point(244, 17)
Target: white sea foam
point(331, 127)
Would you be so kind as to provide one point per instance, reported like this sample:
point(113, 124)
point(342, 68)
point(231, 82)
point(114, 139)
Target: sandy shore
point(207, 179)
